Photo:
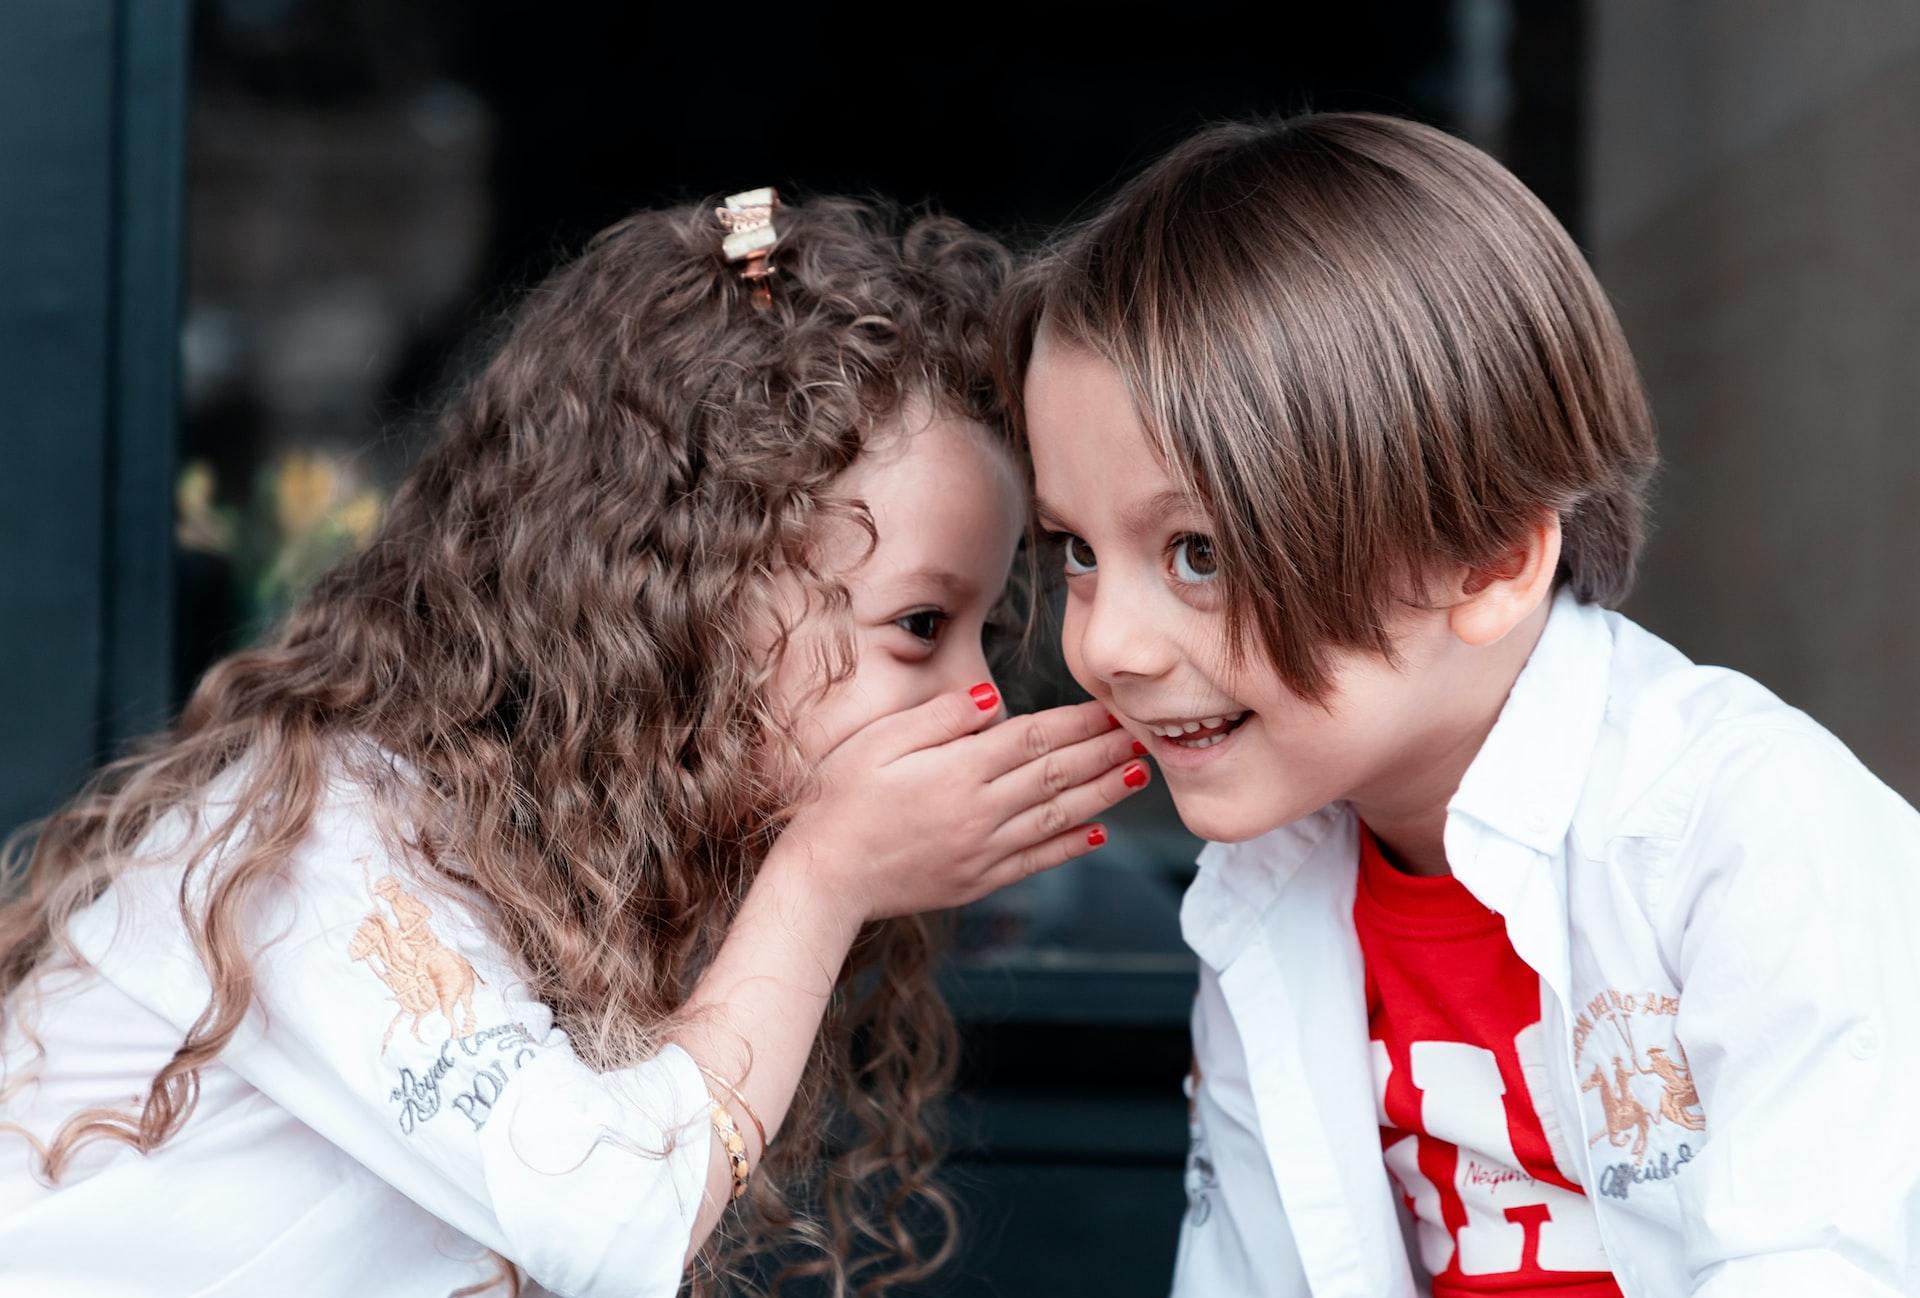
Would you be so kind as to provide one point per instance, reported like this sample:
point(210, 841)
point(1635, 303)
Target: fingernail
point(985, 697)
point(1135, 776)
point(1096, 836)
point(1139, 749)
point(1112, 721)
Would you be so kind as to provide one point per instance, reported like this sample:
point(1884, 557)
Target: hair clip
point(748, 221)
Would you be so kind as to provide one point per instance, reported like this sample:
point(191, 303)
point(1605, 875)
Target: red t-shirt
point(1455, 1020)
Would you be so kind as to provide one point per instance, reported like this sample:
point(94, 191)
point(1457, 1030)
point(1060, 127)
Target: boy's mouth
point(1196, 732)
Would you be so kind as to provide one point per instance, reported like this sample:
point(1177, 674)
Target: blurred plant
point(198, 523)
point(303, 515)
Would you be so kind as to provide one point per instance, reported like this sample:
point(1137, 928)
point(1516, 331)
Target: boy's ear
point(1497, 598)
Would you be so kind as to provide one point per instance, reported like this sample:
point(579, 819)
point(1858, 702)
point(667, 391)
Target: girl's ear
point(1497, 598)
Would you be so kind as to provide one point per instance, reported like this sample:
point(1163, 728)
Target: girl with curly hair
point(557, 873)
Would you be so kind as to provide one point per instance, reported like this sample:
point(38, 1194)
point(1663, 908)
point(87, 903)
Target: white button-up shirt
point(1723, 907)
point(393, 1107)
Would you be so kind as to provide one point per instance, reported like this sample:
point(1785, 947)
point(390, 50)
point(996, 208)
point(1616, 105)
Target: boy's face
point(948, 509)
point(1145, 633)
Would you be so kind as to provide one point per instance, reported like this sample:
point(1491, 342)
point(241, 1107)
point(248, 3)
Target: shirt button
point(1865, 1041)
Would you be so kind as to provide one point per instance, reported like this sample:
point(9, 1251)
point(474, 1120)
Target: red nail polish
point(1112, 721)
point(1096, 836)
point(1139, 749)
point(985, 697)
point(1135, 776)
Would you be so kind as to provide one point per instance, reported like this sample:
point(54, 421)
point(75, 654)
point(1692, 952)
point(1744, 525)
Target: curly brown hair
point(553, 627)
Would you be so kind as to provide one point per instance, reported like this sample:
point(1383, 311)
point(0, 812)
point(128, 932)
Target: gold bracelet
point(736, 1146)
point(759, 1127)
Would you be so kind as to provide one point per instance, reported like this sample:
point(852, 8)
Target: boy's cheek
point(1070, 651)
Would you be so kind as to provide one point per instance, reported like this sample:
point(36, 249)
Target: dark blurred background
point(244, 244)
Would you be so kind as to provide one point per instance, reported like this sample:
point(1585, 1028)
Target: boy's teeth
point(1180, 729)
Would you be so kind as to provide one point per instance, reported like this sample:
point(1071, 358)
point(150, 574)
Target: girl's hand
point(930, 808)
point(920, 810)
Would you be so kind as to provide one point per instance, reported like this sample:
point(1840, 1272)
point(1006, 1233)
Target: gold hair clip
point(748, 221)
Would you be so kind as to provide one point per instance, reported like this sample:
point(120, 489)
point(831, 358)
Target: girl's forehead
point(913, 456)
point(946, 497)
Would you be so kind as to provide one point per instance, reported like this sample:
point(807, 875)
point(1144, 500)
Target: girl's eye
point(1076, 555)
point(923, 624)
point(1193, 560)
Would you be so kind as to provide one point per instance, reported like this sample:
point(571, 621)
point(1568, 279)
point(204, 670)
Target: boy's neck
point(1408, 814)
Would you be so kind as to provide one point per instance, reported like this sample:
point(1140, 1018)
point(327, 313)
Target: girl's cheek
point(872, 692)
point(821, 720)
point(893, 686)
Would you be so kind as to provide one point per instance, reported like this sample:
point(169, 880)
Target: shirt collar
point(1521, 790)
point(1525, 782)
point(1238, 881)
point(1508, 822)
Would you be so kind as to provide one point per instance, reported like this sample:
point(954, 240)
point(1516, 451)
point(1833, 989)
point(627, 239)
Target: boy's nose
point(1118, 637)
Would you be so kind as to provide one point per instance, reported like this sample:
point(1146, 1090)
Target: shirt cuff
point(596, 1178)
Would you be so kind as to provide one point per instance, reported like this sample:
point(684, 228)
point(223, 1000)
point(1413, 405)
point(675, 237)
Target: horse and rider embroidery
point(1626, 1116)
point(425, 975)
point(1680, 1094)
point(1628, 1120)
point(1200, 1179)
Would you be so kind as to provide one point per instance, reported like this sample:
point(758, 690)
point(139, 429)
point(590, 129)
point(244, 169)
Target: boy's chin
point(1232, 819)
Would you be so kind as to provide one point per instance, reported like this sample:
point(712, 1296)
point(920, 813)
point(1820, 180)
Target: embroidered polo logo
point(425, 975)
point(1681, 1098)
point(1629, 1121)
point(1625, 1115)
point(1200, 1178)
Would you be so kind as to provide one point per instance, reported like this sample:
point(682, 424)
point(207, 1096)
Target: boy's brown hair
point(1371, 353)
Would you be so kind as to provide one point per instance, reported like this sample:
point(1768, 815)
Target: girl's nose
point(962, 671)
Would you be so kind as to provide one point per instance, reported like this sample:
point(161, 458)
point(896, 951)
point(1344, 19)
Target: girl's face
point(948, 510)
point(1145, 633)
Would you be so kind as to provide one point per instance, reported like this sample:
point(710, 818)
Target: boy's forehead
point(1064, 369)
point(1091, 451)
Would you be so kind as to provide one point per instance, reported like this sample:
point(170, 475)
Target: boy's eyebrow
point(1141, 517)
point(1155, 509)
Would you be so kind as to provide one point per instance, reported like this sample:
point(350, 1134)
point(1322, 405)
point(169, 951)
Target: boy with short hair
point(1600, 962)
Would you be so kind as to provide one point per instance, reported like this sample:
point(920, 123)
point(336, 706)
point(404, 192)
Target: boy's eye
point(924, 624)
point(1076, 554)
point(1194, 561)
